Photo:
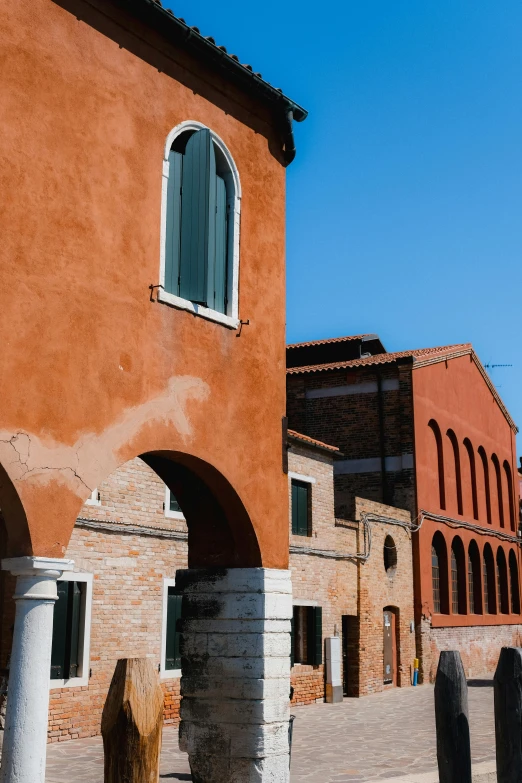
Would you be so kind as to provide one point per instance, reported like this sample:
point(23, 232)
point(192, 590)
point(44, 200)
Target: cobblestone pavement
point(387, 735)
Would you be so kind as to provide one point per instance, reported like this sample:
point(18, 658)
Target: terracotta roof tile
point(330, 340)
point(311, 441)
point(383, 358)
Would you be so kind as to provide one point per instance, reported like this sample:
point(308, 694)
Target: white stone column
point(25, 735)
point(235, 674)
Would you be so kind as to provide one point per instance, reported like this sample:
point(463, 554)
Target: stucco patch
point(29, 458)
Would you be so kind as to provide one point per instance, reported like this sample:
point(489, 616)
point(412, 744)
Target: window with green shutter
point(197, 231)
point(301, 502)
point(67, 622)
point(172, 637)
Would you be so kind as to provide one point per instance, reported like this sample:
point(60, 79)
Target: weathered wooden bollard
point(508, 715)
point(132, 721)
point(452, 720)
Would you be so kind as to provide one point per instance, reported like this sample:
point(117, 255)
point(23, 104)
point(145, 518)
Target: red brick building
point(425, 430)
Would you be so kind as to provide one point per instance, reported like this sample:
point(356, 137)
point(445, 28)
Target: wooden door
point(388, 657)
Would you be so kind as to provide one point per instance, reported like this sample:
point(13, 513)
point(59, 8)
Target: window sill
point(73, 682)
point(195, 309)
point(175, 515)
point(170, 674)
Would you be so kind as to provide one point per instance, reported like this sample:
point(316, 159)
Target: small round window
point(390, 555)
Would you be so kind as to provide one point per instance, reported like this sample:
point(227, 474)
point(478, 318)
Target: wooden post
point(132, 721)
point(508, 715)
point(452, 720)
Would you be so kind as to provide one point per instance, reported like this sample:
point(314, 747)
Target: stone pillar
point(235, 674)
point(25, 734)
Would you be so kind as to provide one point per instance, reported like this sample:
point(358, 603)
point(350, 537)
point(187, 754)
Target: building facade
point(426, 431)
point(143, 220)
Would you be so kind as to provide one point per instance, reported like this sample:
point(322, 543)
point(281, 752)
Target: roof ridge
point(312, 441)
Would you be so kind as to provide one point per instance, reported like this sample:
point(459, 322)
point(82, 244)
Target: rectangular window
point(71, 631)
point(471, 587)
point(301, 503)
point(171, 506)
point(171, 656)
point(454, 584)
point(307, 635)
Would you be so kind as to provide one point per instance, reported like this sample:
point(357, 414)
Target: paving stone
point(375, 738)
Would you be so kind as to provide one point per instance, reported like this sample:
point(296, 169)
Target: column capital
point(37, 566)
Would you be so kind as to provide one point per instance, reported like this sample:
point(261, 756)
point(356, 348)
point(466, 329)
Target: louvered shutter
point(73, 631)
point(218, 251)
point(197, 216)
point(173, 224)
point(315, 635)
point(172, 650)
point(300, 508)
point(59, 632)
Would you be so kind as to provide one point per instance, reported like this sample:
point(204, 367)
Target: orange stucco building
point(425, 430)
point(106, 354)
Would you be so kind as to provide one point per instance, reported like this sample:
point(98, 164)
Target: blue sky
point(404, 204)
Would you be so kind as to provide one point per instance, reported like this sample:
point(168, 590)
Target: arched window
point(509, 491)
point(458, 577)
point(456, 461)
point(485, 474)
point(439, 574)
point(472, 476)
point(474, 582)
point(390, 555)
point(432, 424)
point(490, 593)
point(200, 223)
point(498, 485)
point(502, 582)
point(513, 579)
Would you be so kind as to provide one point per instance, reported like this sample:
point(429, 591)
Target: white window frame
point(166, 673)
point(230, 319)
point(168, 513)
point(300, 477)
point(85, 632)
point(94, 498)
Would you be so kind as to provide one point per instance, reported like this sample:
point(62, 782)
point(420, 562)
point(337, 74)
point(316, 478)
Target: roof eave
point(191, 40)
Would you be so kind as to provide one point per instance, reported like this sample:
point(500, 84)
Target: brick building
point(130, 539)
point(426, 431)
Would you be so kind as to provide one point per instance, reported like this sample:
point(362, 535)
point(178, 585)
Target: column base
point(235, 674)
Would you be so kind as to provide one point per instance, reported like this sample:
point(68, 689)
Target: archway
point(191, 586)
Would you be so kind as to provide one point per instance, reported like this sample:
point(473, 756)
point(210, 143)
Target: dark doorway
point(350, 652)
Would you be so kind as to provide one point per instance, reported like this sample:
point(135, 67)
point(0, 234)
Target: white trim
point(305, 602)
point(231, 319)
point(94, 498)
point(300, 477)
point(166, 673)
point(85, 632)
point(168, 513)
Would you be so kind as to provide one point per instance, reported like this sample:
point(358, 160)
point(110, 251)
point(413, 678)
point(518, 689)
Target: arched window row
point(480, 487)
point(466, 582)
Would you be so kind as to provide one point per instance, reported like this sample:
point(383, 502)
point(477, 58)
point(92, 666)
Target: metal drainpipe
point(380, 403)
point(289, 150)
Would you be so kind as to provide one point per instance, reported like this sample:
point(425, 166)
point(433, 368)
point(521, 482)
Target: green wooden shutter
point(59, 632)
point(198, 191)
point(292, 638)
point(172, 651)
point(315, 635)
point(217, 281)
point(173, 224)
point(300, 507)
point(73, 630)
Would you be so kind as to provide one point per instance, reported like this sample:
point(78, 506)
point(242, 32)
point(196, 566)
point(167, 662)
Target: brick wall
point(380, 589)
point(352, 422)
point(479, 647)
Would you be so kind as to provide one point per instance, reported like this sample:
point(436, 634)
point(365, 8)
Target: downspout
point(288, 138)
point(380, 405)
